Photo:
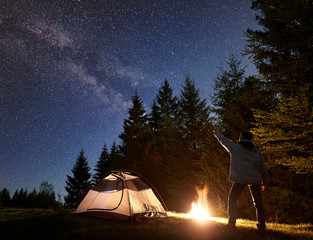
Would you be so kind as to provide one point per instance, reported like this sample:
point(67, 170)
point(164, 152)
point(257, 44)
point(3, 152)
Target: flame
point(200, 209)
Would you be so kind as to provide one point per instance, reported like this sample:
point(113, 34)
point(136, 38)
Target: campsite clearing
point(43, 224)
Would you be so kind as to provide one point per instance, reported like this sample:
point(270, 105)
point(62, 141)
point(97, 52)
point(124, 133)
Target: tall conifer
point(5, 198)
point(116, 158)
point(103, 165)
point(78, 185)
point(282, 47)
point(227, 85)
point(166, 140)
point(235, 96)
point(134, 136)
point(282, 51)
point(193, 114)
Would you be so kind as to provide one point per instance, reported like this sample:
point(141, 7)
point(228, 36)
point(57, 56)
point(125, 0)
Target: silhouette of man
point(247, 167)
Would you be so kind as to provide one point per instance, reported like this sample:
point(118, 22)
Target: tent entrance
point(118, 178)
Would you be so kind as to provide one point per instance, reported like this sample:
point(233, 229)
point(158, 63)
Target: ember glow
point(200, 207)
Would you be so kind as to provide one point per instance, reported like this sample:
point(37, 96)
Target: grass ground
point(50, 224)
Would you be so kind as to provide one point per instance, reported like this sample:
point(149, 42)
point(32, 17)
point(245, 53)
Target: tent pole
point(130, 209)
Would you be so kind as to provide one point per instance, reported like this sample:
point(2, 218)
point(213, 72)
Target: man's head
point(245, 136)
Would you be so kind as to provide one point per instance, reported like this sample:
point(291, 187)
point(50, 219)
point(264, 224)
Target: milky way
point(68, 70)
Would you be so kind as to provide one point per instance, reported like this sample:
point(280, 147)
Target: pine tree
point(282, 51)
point(165, 140)
point(253, 95)
point(134, 136)
point(164, 125)
point(154, 119)
point(14, 200)
point(136, 122)
point(5, 198)
point(286, 135)
point(103, 165)
point(227, 85)
point(32, 199)
point(282, 47)
point(22, 198)
point(164, 108)
point(78, 185)
point(116, 158)
point(193, 114)
point(235, 96)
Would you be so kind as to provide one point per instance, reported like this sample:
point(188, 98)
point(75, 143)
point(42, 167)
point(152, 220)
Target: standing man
point(247, 167)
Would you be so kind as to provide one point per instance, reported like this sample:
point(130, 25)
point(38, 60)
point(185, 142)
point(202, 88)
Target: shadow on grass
point(65, 225)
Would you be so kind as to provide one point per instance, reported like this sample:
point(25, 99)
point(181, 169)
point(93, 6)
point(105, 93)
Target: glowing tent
point(121, 195)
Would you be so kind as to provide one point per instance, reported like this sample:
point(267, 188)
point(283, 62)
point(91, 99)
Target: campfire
point(200, 209)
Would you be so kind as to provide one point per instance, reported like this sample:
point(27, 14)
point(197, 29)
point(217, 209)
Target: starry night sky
point(68, 70)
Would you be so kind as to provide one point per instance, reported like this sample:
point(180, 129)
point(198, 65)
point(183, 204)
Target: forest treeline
point(172, 144)
point(44, 198)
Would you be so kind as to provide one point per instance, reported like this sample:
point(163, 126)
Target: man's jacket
point(247, 165)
